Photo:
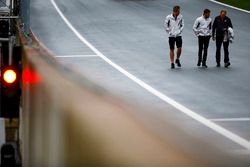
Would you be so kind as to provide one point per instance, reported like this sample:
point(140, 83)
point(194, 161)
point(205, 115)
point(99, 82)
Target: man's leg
point(179, 50)
point(179, 53)
point(206, 44)
point(171, 56)
point(200, 42)
point(219, 41)
point(226, 54)
point(171, 46)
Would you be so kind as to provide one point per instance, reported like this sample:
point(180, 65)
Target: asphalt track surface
point(130, 33)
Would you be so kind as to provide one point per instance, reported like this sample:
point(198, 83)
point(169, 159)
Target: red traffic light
point(10, 92)
point(9, 76)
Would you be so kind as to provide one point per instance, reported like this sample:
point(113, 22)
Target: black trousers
point(219, 41)
point(203, 46)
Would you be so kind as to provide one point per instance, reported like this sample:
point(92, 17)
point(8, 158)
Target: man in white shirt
point(174, 25)
point(203, 30)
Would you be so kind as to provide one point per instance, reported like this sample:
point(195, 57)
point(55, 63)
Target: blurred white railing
point(76, 123)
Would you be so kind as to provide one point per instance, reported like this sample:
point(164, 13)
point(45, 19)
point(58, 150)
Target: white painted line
point(241, 152)
point(229, 119)
point(233, 7)
point(76, 56)
point(233, 137)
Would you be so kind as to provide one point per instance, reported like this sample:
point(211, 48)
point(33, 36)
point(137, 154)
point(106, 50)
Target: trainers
point(204, 65)
point(177, 61)
point(218, 65)
point(199, 64)
point(172, 66)
point(227, 64)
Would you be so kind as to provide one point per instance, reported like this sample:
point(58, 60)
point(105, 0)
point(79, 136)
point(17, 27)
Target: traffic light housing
point(4, 28)
point(10, 92)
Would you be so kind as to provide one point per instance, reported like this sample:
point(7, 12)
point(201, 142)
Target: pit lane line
point(76, 56)
point(230, 119)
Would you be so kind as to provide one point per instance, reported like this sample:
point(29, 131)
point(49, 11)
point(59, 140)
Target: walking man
point(174, 25)
point(220, 33)
point(203, 30)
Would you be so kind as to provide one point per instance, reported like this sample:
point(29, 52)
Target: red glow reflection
point(30, 77)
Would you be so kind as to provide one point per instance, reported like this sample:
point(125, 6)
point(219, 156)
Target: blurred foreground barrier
point(76, 123)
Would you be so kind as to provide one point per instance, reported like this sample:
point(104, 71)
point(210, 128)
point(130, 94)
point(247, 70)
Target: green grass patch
point(243, 4)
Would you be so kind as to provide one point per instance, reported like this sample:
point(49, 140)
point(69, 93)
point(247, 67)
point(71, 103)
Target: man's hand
point(178, 33)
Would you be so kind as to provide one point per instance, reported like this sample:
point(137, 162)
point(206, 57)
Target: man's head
point(206, 13)
point(223, 13)
point(176, 11)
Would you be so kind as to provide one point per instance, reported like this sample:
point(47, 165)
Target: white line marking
point(76, 56)
point(242, 10)
point(241, 152)
point(229, 119)
point(233, 137)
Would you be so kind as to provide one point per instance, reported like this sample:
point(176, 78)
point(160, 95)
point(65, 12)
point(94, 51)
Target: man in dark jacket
point(220, 34)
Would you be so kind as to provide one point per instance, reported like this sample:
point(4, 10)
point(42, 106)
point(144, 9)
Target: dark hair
point(206, 11)
point(223, 11)
point(176, 8)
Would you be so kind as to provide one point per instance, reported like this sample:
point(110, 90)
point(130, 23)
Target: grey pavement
point(131, 34)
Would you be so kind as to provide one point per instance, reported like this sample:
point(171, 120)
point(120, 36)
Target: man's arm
point(167, 24)
point(182, 25)
point(230, 23)
point(196, 26)
point(210, 27)
point(214, 28)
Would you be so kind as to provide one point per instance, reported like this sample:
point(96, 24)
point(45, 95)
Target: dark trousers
point(203, 46)
point(219, 41)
